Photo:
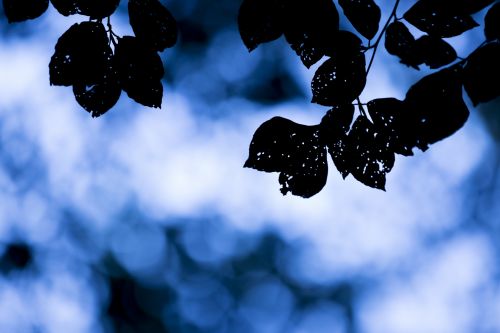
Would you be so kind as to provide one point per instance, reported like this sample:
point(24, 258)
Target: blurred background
point(144, 220)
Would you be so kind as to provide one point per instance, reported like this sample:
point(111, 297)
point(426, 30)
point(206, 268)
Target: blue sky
point(426, 247)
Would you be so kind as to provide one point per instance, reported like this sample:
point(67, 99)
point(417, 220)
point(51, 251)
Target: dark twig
point(361, 108)
point(112, 35)
point(377, 42)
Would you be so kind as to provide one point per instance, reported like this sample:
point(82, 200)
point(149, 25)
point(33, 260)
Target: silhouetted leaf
point(398, 39)
point(339, 80)
point(436, 106)
point(260, 21)
point(66, 7)
point(22, 10)
point(294, 150)
point(401, 43)
point(482, 74)
point(82, 55)
point(434, 51)
point(97, 99)
point(334, 127)
point(310, 28)
point(470, 6)
point(391, 118)
point(344, 42)
point(152, 23)
point(97, 9)
point(140, 70)
point(369, 157)
point(492, 23)
point(364, 15)
point(336, 122)
point(435, 18)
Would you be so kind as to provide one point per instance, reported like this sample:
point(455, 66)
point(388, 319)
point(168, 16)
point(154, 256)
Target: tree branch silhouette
point(382, 32)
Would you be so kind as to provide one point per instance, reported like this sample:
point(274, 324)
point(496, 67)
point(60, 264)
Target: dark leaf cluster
point(362, 139)
point(364, 143)
point(97, 63)
point(311, 27)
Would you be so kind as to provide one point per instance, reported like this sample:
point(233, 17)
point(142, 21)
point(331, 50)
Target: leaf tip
point(251, 48)
point(248, 164)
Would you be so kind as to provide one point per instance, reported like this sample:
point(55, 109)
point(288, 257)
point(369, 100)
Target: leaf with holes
point(97, 9)
point(152, 23)
point(369, 157)
point(140, 70)
point(310, 28)
point(432, 17)
point(22, 10)
point(339, 80)
point(436, 107)
point(482, 74)
point(401, 43)
point(293, 150)
point(82, 55)
point(99, 98)
point(334, 127)
point(434, 51)
point(492, 23)
point(260, 21)
point(392, 119)
point(364, 15)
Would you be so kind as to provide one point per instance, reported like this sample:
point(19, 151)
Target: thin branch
point(361, 108)
point(377, 42)
point(112, 35)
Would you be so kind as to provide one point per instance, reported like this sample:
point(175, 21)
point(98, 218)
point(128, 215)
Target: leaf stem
point(379, 38)
point(361, 108)
point(112, 35)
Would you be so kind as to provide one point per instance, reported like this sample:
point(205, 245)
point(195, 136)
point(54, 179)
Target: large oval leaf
point(436, 107)
point(401, 43)
point(260, 21)
point(344, 42)
point(334, 127)
point(470, 6)
point(293, 150)
point(22, 10)
point(140, 70)
point(391, 118)
point(482, 74)
point(310, 28)
point(435, 18)
point(82, 55)
point(152, 23)
point(97, 9)
point(434, 51)
point(369, 157)
point(492, 23)
point(339, 80)
point(99, 98)
point(364, 15)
